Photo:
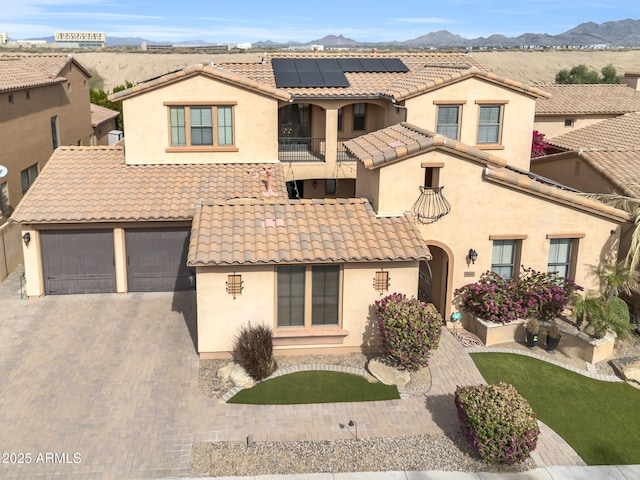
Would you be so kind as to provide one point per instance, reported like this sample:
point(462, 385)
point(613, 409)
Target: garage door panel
point(78, 261)
point(157, 260)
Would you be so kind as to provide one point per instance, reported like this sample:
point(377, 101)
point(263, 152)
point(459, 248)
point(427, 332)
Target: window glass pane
point(325, 294)
point(225, 126)
point(503, 257)
point(359, 116)
point(448, 121)
point(489, 124)
point(28, 176)
point(291, 290)
point(340, 119)
point(54, 132)
point(201, 126)
point(178, 126)
point(4, 199)
point(560, 256)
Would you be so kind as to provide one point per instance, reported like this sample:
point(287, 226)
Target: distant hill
point(620, 33)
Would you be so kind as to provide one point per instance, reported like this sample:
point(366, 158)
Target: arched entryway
point(433, 283)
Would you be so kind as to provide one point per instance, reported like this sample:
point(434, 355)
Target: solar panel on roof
point(328, 72)
point(372, 65)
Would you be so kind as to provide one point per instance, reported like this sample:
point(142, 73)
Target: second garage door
point(157, 260)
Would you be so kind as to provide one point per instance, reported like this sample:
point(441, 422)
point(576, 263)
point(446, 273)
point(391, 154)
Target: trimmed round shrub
point(498, 422)
point(254, 348)
point(409, 330)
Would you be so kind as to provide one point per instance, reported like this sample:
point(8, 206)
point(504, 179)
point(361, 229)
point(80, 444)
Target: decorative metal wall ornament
point(430, 206)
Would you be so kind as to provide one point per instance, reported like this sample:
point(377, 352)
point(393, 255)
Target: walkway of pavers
point(113, 378)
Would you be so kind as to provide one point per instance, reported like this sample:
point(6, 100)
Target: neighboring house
point(44, 103)
point(196, 197)
point(103, 121)
point(601, 158)
point(572, 107)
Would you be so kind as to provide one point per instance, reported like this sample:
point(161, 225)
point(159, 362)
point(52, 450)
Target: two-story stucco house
point(297, 191)
point(44, 103)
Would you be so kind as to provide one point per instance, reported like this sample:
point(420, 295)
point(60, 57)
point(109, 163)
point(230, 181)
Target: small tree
point(409, 330)
point(581, 74)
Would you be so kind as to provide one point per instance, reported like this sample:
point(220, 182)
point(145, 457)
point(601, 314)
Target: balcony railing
point(301, 149)
point(342, 155)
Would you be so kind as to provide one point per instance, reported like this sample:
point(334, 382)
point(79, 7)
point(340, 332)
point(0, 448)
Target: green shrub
point(253, 346)
point(498, 422)
point(409, 330)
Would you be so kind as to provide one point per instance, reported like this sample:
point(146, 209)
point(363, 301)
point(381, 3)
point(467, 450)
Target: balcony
point(301, 149)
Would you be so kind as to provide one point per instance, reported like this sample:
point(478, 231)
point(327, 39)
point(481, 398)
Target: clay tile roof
point(27, 71)
point(426, 71)
point(201, 69)
point(300, 231)
point(613, 134)
point(588, 99)
point(100, 114)
point(398, 141)
point(611, 147)
point(99, 186)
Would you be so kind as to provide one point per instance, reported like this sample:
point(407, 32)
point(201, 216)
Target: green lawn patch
point(600, 420)
point(315, 387)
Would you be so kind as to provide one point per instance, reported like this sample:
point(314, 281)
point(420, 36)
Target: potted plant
point(533, 328)
point(553, 337)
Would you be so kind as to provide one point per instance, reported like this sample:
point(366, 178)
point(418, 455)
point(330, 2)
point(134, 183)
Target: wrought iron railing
point(301, 149)
point(342, 155)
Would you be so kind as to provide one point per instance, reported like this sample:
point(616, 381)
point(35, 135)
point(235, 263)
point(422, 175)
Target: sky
point(303, 21)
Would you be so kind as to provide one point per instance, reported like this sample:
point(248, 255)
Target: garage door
point(78, 261)
point(157, 260)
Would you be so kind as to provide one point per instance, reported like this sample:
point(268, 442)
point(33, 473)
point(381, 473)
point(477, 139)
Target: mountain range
point(620, 33)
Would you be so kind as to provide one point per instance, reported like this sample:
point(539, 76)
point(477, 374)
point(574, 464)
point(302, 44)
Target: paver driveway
point(105, 386)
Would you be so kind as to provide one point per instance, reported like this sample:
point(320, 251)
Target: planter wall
point(573, 343)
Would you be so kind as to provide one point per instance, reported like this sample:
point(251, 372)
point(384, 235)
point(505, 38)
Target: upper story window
point(4, 199)
point(359, 116)
point(54, 132)
point(201, 127)
point(562, 255)
point(449, 121)
point(28, 176)
point(490, 123)
point(340, 128)
point(568, 122)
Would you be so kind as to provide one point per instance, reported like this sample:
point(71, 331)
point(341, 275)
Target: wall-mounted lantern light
point(473, 255)
point(26, 238)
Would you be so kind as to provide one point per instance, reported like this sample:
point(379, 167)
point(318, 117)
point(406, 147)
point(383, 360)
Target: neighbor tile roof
point(94, 184)
point(397, 142)
point(426, 71)
point(588, 99)
point(18, 72)
point(612, 147)
point(300, 231)
point(612, 134)
point(100, 114)
point(389, 144)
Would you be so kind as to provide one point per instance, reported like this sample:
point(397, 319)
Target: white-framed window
point(449, 120)
point(201, 126)
point(489, 124)
point(28, 176)
point(4, 199)
point(308, 296)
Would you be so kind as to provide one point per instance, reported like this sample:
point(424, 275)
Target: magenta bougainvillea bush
point(409, 330)
point(498, 422)
point(533, 294)
point(538, 145)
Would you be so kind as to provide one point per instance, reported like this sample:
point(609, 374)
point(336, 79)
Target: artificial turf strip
point(315, 387)
point(600, 420)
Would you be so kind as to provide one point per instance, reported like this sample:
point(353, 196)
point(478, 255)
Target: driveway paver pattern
point(106, 386)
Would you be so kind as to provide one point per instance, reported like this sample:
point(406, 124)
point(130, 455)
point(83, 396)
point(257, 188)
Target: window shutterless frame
point(201, 126)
